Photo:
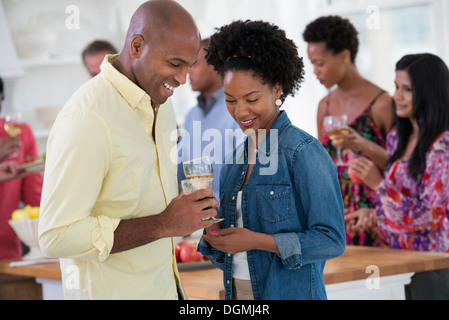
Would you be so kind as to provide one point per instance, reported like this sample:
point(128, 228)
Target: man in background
point(210, 118)
point(93, 55)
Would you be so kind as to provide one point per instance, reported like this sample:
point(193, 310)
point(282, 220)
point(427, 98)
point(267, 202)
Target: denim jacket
point(293, 194)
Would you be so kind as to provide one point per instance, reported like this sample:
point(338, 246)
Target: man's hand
point(189, 213)
point(184, 215)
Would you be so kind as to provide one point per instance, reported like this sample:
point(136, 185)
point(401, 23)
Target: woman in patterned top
point(332, 49)
point(413, 198)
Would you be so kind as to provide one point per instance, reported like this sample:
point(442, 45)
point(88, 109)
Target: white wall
point(51, 81)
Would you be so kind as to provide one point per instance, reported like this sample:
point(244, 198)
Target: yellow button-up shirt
point(105, 164)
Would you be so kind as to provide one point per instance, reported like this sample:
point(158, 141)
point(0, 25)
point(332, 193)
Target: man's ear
point(137, 46)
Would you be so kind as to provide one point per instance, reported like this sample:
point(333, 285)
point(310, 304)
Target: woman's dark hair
point(339, 34)
point(429, 77)
point(258, 47)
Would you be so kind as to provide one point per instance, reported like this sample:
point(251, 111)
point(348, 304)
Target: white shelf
point(50, 62)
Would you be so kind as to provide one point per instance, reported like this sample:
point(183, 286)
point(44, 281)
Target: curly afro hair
point(338, 33)
point(258, 47)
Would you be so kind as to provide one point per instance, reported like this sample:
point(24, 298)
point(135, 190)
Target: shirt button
point(243, 173)
point(228, 282)
point(233, 198)
point(272, 193)
point(229, 254)
point(232, 226)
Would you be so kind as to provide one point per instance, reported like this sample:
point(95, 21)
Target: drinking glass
point(190, 186)
point(336, 126)
point(13, 126)
point(198, 168)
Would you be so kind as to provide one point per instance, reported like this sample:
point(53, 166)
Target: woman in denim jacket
point(279, 191)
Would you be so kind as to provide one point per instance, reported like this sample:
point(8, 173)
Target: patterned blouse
point(414, 215)
point(357, 196)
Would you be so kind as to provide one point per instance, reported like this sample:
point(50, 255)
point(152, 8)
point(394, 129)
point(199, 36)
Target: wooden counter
point(351, 266)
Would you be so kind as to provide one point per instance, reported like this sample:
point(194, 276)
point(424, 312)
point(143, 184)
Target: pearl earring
point(278, 102)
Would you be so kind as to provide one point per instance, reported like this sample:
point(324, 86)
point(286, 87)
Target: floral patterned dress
point(414, 214)
point(357, 196)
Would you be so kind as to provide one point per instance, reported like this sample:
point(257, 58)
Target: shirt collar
point(132, 93)
point(206, 105)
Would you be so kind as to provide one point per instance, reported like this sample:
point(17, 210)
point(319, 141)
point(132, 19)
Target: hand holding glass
point(200, 175)
point(13, 126)
point(190, 186)
point(335, 127)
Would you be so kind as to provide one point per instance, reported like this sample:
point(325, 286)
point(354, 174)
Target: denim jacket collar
point(271, 139)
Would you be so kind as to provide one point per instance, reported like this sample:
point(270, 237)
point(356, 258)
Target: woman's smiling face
point(250, 101)
point(403, 95)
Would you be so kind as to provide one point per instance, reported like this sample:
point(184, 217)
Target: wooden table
point(345, 277)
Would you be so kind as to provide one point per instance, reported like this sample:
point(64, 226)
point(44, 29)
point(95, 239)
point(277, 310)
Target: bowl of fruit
point(187, 256)
point(25, 224)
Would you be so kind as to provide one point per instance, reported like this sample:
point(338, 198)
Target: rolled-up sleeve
point(289, 250)
point(320, 197)
point(78, 154)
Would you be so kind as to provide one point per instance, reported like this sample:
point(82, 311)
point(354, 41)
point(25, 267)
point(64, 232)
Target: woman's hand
point(356, 142)
point(10, 171)
point(236, 240)
point(367, 171)
point(353, 140)
point(216, 226)
point(366, 219)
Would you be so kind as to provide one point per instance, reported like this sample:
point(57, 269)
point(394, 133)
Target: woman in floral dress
point(413, 198)
point(332, 49)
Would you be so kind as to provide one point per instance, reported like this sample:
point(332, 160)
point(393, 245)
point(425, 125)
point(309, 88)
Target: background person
point(413, 205)
point(23, 190)
point(211, 115)
point(332, 48)
point(7, 144)
point(93, 55)
point(110, 204)
point(280, 226)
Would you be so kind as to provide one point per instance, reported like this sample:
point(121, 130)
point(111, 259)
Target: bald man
point(110, 204)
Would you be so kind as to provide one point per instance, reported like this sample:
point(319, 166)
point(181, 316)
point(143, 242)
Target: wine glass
point(198, 168)
point(190, 186)
point(336, 127)
point(13, 126)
